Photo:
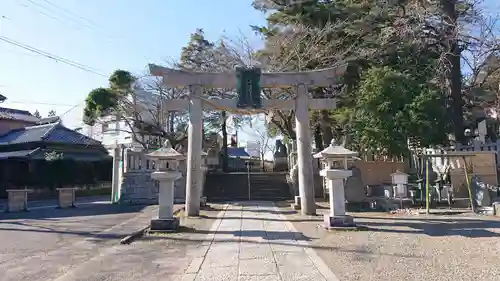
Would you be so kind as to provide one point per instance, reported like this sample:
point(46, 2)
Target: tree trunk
point(326, 128)
point(318, 138)
point(452, 66)
point(171, 124)
point(225, 157)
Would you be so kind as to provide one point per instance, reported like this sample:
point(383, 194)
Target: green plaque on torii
point(248, 87)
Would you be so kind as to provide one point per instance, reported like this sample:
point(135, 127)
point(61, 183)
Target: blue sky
point(103, 35)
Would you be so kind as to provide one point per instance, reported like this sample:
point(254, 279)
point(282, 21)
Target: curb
point(139, 233)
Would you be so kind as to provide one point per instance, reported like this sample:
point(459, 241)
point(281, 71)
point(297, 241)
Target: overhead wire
point(38, 103)
point(89, 24)
point(71, 13)
point(51, 56)
point(62, 15)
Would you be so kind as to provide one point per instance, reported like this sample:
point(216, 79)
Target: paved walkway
point(253, 241)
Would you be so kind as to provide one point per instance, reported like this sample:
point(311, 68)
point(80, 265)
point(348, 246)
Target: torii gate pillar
point(304, 152)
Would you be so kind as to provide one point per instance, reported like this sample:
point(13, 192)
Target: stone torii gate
point(300, 81)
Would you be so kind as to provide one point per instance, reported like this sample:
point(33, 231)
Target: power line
point(73, 107)
point(51, 56)
point(62, 15)
point(39, 103)
point(71, 13)
point(91, 25)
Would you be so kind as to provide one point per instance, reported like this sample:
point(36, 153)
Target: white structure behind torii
point(196, 81)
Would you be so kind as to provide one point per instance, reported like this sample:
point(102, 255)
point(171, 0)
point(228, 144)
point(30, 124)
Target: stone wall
point(137, 186)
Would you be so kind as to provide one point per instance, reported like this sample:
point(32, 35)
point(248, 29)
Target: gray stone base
point(164, 225)
point(338, 222)
point(496, 209)
point(203, 201)
point(296, 205)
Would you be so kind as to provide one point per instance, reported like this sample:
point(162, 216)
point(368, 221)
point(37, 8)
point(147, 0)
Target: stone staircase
point(270, 186)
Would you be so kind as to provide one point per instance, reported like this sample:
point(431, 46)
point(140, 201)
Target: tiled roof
point(15, 154)
point(76, 156)
point(41, 154)
point(237, 152)
point(48, 120)
point(55, 133)
point(16, 114)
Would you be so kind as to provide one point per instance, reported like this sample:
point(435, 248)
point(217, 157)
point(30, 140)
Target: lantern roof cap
point(399, 173)
point(335, 151)
point(166, 152)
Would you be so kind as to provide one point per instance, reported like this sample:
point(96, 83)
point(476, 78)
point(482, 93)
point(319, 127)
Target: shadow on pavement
point(471, 228)
point(79, 211)
point(54, 202)
point(308, 219)
point(266, 235)
point(88, 234)
point(175, 237)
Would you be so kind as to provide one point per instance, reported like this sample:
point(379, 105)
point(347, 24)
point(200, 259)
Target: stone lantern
point(335, 183)
point(167, 173)
point(400, 182)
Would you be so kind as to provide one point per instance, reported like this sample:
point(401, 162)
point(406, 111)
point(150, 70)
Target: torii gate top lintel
point(181, 78)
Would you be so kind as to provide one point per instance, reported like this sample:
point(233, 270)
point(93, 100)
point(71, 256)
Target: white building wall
point(110, 131)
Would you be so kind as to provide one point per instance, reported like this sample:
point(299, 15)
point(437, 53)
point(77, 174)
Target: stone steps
point(269, 186)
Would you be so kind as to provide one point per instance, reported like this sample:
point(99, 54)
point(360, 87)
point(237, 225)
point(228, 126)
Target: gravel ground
point(403, 247)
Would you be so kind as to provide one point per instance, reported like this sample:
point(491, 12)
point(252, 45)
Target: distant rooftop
point(52, 132)
point(17, 114)
point(49, 120)
point(237, 152)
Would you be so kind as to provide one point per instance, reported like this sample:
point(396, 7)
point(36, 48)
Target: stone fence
point(135, 183)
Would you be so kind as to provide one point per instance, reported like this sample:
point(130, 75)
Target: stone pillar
point(166, 199)
point(17, 200)
point(66, 197)
point(203, 199)
point(195, 137)
point(165, 220)
point(337, 197)
point(115, 181)
point(304, 153)
point(335, 183)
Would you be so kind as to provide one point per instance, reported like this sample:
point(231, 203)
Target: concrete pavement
point(239, 241)
point(253, 241)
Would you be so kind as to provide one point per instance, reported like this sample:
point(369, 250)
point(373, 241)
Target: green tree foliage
point(142, 117)
point(393, 108)
point(104, 101)
point(425, 40)
point(99, 102)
